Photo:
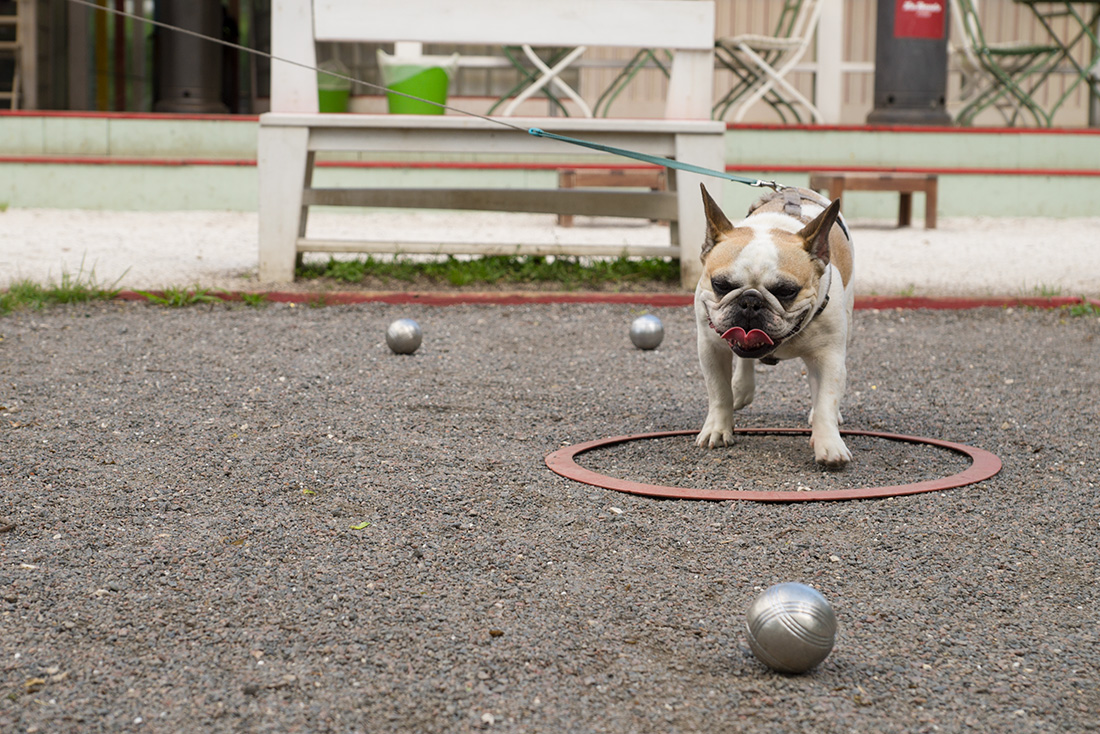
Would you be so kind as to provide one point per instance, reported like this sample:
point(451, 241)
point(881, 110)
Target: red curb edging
point(983, 466)
point(656, 300)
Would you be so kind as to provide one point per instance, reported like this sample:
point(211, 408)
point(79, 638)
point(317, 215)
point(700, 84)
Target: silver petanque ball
point(647, 331)
point(791, 627)
point(404, 336)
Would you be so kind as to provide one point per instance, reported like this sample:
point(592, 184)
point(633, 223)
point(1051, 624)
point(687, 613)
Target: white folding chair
point(760, 64)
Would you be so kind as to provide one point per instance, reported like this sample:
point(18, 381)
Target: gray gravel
point(227, 519)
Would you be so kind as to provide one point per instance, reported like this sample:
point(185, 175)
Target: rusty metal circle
point(983, 466)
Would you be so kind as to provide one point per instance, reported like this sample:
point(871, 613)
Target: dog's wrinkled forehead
point(727, 250)
point(752, 251)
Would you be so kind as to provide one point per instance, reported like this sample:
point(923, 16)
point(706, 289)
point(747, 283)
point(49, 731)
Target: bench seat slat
point(500, 141)
point(639, 204)
point(411, 247)
point(563, 125)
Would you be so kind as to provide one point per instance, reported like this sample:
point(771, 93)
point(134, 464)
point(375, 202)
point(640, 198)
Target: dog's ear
point(816, 233)
point(717, 224)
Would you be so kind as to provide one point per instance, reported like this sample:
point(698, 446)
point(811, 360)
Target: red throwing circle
point(983, 466)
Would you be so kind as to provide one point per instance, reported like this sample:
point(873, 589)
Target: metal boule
point(646, 332)
point(791, 627)
point(404, 336)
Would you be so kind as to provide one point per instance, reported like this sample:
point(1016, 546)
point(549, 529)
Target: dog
point(776, 285)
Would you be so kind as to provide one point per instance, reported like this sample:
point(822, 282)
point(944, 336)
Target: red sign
point(920, 19)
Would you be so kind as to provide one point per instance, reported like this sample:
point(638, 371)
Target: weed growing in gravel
point(180, 297)
point(566, 272)
point(1085, 308)
point(1047, 291)
point(255, 300)
point(78, 288)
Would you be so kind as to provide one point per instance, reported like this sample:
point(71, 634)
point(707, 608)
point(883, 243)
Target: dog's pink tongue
point(752, 340)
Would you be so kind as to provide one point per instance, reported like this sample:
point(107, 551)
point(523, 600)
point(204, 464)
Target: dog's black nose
point(751, 301)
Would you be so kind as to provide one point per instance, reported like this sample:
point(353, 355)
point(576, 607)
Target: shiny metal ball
point(647, 331)
point(404, 336)
point(791, 627)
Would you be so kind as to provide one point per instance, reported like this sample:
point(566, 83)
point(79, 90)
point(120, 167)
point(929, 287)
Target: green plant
point(78, 288)
point(180, 297)
point(1084, 308)
point(254, 300)
point(1047, 291)
point(566, 272)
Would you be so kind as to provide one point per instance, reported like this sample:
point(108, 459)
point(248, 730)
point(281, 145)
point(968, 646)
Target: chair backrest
point(795, 18)
point(684, 26)
point(970, 27)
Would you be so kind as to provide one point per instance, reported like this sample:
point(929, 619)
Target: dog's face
point(761, 280)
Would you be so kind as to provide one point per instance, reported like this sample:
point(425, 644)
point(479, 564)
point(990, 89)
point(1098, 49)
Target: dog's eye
point(785, 291)
point(722, 286)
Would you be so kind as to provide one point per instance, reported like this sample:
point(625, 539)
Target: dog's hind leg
point(744, 382)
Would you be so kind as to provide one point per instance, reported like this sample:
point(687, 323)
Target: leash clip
point(760, 184)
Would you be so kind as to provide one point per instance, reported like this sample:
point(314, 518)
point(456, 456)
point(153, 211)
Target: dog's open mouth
point(750, 343)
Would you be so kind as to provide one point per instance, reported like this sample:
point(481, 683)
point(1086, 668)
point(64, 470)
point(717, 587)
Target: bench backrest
point(684, 26)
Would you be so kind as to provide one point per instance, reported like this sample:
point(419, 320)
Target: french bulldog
point(776, 285)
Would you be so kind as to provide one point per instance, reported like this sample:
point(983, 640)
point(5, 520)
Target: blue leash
point(656, 160)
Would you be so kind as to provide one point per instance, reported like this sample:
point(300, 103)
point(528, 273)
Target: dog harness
point(793, 197)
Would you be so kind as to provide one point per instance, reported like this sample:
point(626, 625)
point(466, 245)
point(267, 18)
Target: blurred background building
point(60, 55)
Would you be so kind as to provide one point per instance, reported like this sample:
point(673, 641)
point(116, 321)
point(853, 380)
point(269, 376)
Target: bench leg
point(930, 204)
point(566, 180)
point(662, 185)
point(905, 209)
point(836, 191)
point(283, 169)
point(690, 228)
point(303, 220)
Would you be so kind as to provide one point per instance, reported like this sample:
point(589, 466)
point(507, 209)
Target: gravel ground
point(228, 519)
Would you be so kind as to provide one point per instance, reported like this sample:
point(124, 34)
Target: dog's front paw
point(830, 451)
point(717, 431)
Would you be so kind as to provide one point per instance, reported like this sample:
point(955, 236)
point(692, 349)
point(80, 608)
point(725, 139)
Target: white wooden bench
point(294, 131)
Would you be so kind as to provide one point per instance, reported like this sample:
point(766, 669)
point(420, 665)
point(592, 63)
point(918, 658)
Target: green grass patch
point(1083, 309)
point(1047, 291)
point(564, 272)
point(180, 297)
point(78, 288)
point(254, 300)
